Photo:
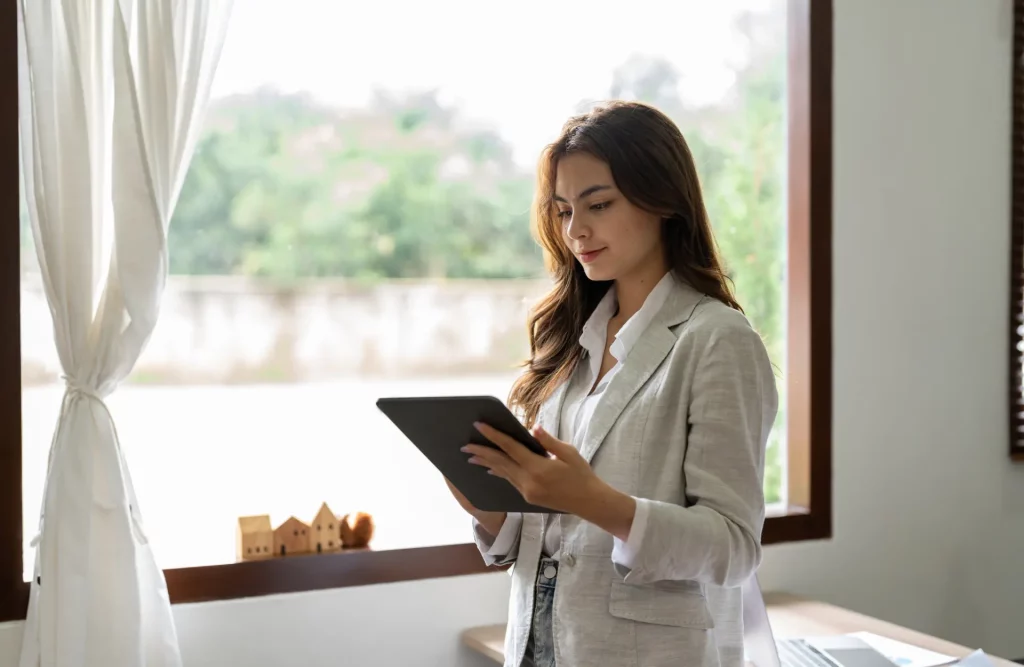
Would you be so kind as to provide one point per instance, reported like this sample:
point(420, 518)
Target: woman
point(654, 398)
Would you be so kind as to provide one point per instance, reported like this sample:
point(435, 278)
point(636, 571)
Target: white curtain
point(758, 638)
point(111, 96)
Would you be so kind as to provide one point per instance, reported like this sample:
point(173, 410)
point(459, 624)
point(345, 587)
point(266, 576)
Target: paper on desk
point(906, 655)
point(976, 659)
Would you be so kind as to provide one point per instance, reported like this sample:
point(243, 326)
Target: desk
point(790, 616)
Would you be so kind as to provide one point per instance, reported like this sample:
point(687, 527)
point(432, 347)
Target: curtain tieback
point(73, 387)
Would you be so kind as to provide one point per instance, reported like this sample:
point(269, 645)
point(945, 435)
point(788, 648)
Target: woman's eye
point(563, 214)
point(600, 206)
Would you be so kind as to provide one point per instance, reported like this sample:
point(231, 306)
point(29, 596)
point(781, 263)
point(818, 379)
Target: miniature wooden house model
point(255, 538)
point(324, 531)
point(291, 537)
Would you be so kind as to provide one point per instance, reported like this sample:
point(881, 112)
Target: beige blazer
point(682, 427)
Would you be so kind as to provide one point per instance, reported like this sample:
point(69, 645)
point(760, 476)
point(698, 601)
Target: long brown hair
point(653, 168)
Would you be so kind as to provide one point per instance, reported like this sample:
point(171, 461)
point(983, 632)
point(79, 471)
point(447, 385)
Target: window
point(354, 224)
point(1017, 242)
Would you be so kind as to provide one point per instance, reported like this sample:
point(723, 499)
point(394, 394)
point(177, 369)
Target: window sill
point(321, 571)
point(298, 574)
point(795, 524)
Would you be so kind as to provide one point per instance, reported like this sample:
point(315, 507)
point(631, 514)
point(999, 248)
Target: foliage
point(282, 188)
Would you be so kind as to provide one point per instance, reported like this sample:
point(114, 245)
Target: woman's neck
point(632, 291)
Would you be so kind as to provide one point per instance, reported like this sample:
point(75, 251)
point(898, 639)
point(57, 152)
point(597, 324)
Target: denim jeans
point(540, 647)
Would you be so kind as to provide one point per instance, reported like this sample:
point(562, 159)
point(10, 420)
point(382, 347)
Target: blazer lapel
point(550, 416)
point(647, 354)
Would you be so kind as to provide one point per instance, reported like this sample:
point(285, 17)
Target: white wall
point(929, 512)
point(415, 624)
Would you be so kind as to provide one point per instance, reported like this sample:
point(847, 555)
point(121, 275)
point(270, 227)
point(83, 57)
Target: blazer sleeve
point(503, 548)
point(716, 537)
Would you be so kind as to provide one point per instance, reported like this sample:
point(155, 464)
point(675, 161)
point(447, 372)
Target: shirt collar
point(595, 331)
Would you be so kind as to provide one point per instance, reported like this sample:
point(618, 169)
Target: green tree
point(284, 189)
point(241, 183)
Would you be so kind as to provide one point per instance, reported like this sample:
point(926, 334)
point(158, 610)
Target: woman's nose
point(577, 229)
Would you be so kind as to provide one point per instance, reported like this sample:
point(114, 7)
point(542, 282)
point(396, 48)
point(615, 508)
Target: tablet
point(439, 426)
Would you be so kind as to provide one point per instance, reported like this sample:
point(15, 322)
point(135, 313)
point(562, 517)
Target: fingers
point(548, 441)
point(513, 448)
point(487, 456)
point(497, 463)
point(552, 444)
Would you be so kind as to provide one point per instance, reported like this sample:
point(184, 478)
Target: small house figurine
point(356, 530)
point(291, 537)
point(255, 538)
point(324, 531)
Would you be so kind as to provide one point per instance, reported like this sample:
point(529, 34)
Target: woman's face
point(608, 235)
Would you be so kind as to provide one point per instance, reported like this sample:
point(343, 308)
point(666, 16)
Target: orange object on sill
point(356, 530)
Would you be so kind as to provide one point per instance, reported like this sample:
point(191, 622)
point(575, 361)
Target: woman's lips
point(588, 257)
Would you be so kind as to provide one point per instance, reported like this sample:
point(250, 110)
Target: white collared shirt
point(580, 403)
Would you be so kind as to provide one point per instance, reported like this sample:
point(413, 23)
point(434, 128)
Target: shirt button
point(550, 572)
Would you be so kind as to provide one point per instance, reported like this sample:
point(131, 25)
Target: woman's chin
point(597, 273)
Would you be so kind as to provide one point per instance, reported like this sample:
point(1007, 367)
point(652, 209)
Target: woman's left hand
point(561, 481)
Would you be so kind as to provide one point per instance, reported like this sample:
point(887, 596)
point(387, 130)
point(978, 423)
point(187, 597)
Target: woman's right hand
point(491, 521)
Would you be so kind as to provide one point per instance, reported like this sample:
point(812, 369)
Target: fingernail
point(465, 449)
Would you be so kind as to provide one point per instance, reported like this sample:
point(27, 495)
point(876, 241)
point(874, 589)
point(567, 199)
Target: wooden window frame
point(1016, 365)
point(809, 364)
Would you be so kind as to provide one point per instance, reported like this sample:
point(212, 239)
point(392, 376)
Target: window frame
point(1016, 347)
point(808, 515)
